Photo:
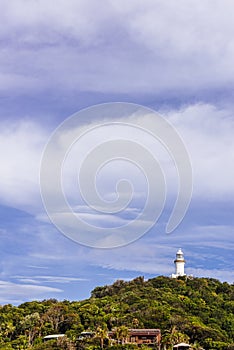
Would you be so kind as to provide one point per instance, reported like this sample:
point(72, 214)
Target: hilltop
point(199, 311)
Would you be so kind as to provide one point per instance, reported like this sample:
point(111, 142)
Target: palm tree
point(172, 337)
point(196, 346)
point(102, 334)
point(123, 333)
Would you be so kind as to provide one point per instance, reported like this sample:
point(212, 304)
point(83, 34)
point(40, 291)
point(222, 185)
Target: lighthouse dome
point(179, 255)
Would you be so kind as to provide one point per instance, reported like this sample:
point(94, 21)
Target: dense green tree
point(199, 310)
point(30, 325)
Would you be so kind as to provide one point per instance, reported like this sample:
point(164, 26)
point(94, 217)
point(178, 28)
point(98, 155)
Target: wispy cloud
point(14, 292)
point(50, 279)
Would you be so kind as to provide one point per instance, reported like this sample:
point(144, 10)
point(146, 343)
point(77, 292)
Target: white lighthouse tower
point(179, 264)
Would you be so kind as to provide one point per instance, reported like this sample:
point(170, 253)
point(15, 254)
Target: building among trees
point(137, 336)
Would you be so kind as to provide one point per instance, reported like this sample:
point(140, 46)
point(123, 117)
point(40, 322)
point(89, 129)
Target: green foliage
point(198, 311)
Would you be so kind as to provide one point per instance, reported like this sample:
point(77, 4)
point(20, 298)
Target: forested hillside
point(199, 311)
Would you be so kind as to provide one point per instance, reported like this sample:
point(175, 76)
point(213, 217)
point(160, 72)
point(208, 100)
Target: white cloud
point(153, 46)
point(16, 292)
point(21, 144)
point(50, 279)
point(220, 274)
point(206, 130)
point(208, 135)
point(206, 250)
point(156, 257)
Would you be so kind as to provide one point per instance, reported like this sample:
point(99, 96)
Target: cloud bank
point(173, 56)
point(205, 129)
point(152, 47)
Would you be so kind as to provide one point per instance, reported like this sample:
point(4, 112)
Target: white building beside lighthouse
point(179, 264)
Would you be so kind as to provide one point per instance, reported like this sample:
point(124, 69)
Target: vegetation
point(199, 311)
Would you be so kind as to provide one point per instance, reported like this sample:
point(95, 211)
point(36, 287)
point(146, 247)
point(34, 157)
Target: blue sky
point(174, 57)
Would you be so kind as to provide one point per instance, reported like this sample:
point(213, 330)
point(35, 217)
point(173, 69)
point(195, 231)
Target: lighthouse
point(179, 264)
